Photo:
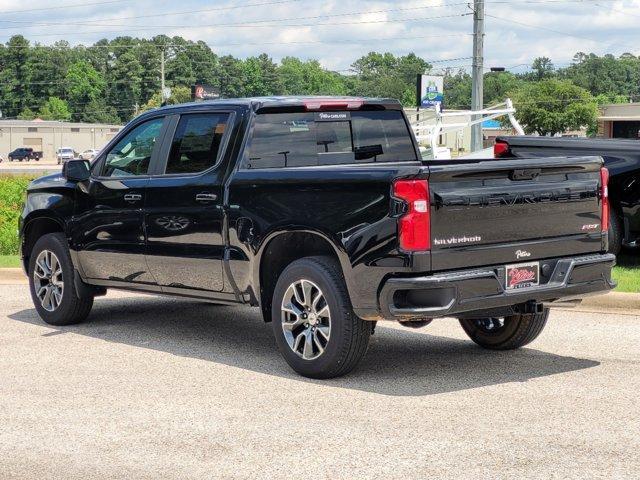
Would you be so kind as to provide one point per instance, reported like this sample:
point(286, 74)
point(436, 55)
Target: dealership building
point(621, 120)
point(48, 136)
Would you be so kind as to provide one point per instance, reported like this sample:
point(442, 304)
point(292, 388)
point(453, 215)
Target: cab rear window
point(329, 138)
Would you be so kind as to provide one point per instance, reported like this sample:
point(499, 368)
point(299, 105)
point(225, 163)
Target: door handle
point(132, 197)
point(206, 197)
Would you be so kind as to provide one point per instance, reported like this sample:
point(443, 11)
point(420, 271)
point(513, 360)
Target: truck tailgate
point(492, 212)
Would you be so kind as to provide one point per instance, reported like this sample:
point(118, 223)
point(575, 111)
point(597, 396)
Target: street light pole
point(478, 67)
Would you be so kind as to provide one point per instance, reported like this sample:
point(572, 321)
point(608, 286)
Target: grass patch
point(12, 194)
point(10, 261)
point(627, 273)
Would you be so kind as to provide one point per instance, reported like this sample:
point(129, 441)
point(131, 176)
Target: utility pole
point(478, 68)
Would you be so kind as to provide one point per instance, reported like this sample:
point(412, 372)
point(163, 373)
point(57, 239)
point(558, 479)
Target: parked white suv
point(89, 154)
point(65, 153)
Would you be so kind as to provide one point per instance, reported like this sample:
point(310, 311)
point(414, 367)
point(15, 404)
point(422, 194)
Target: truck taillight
point(329, 104)
point(604, 195)
point(500, 149)
point(414, 227)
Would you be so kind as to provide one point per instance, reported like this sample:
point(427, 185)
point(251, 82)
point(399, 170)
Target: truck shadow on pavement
point(398, 363)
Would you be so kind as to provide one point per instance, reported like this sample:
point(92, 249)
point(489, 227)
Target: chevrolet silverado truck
point(320, 212)
point(622, 159)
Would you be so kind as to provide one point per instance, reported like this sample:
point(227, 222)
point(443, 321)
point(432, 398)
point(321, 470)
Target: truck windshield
point(330, 138)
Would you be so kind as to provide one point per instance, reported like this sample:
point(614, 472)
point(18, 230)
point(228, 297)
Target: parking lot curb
point(613, 301)
point(12, 276)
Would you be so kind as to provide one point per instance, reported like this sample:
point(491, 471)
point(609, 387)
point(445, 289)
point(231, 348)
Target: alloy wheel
point(306, 319)
point(48, 281)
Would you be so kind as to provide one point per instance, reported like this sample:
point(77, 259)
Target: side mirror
point(76, 170)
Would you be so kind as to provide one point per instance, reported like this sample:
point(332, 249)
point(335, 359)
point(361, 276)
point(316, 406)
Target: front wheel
point(51, 276)
point(505, 333)
point(314, 325)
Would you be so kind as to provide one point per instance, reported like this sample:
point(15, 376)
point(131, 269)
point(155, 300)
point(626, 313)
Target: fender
point(330, 239)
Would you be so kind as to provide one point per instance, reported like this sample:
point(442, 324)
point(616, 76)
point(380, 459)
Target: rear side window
point(196, 143)
point(329, 138)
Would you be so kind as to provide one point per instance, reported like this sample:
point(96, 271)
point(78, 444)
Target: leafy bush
point(12, 194)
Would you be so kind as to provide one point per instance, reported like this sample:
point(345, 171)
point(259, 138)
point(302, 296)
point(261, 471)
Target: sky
point(337, 32)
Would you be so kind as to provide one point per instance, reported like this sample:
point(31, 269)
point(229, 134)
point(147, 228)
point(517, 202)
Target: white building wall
point(53, 135)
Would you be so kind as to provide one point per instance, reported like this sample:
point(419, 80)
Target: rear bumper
point(477, 291)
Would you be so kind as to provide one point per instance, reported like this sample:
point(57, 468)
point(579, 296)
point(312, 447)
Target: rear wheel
point(505, 333)
point(313, 322)
point(616, 232)
point(51, 281)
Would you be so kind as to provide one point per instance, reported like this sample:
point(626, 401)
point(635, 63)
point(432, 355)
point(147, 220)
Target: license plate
point(523, 275)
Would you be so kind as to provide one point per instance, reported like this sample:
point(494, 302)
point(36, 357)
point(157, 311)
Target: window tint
point(196, 143)
point(304, 139)
point(283, 140)
point(132, 154)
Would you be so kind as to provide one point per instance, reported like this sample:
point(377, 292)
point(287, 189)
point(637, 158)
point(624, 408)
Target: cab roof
point(305, 102)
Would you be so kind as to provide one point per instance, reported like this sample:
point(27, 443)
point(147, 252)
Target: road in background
point(156, 387)
point(31, 167)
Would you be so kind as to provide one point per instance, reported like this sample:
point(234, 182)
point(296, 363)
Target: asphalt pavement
point(156, 387)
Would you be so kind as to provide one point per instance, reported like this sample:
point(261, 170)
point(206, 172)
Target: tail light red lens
point(414, 227)
point(604, 197)
point(500, 149)
point(324, 104)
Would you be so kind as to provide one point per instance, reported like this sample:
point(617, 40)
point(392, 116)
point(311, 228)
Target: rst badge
point(522, 276)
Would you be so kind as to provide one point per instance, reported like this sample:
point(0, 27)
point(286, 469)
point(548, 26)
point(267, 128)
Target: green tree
point(84, 85)
point(55, 109)
point(457, 90)
point(542, 68)
point(178, 95)
point(308, 78)
point(14, 76)
point(385, 75)
point(125, 77)
point(97, 111)
point(27, 114)
point(231, 77)
point(261, 76)
point(554, 106)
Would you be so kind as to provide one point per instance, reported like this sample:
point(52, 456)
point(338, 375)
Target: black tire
point(616, 232)
point(516, 331)
point(348, 335)
point(72, 308)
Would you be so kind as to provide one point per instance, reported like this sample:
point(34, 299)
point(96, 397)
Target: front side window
point(306, 139)
point(196, 143)
point(132, 155)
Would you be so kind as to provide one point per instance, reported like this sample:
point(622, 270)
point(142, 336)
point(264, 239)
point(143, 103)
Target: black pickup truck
point(622, 159)
point(320, 212)
point(24, 153)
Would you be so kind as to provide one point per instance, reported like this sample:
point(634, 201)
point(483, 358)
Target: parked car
point(89, 154)
point(65, 154)
point(24, 153)
point(320, 212)
point(622, 159)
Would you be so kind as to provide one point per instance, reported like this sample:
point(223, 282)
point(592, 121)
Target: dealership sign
point(430, 91)
point(200, 92)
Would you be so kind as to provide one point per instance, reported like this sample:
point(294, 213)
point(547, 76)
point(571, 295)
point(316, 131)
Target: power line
point(559, 32)
point(250, 24)
point(62, 7)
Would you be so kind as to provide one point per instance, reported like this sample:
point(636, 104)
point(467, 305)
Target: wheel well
point(34, 230)
point(279, 253)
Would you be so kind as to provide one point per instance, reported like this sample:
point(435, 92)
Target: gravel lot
point(162, 388)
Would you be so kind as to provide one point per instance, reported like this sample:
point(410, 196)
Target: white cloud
point(523, 31)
